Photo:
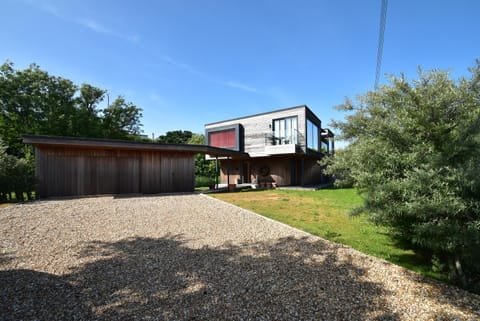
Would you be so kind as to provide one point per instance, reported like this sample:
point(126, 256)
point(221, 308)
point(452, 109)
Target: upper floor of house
point(295, 130)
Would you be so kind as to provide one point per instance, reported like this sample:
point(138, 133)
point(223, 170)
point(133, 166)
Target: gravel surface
point(191, 257)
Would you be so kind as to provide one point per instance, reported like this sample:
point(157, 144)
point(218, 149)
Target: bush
point(202, 181)
point(339, 168)
point(414, 155)
point(17, 175)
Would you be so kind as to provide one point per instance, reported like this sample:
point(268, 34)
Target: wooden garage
point(68, 166)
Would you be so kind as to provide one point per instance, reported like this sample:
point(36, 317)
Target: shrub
point(17, 175)
point(414, 155)
point(202, 181)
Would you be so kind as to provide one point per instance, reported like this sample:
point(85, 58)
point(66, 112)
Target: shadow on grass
point(164, 279)
point(418, 260)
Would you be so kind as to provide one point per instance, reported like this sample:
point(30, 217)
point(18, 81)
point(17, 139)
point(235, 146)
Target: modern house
point(280, 147)
point(284, 147)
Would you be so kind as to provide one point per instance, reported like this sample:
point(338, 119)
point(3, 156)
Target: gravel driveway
point(191, 257)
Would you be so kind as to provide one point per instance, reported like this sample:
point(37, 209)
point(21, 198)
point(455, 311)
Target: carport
point(67, 166)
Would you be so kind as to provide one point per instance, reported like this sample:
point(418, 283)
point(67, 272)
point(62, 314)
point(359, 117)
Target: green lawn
point(326, 213)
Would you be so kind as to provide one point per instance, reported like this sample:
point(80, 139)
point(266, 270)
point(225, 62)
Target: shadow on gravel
point(32, 295)
point(163, 279)
point(6, 257)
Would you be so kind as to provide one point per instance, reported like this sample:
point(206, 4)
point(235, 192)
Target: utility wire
point(383, 20)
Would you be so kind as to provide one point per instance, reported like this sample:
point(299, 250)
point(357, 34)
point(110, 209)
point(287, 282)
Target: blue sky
point(191, 62)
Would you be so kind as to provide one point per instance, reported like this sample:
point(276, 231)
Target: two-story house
point(284, 147)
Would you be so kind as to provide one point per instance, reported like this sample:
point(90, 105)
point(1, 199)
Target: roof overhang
point(90, 143)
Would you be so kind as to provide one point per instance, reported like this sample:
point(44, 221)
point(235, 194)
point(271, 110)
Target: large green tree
point(34, 102)
point(87, 119)
point(121, 119)
point(414, 154)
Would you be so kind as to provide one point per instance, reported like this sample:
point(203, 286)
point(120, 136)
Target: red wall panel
point(224, 138)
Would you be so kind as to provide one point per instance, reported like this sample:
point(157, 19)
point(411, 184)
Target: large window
point(285, 131)
point(312, 135)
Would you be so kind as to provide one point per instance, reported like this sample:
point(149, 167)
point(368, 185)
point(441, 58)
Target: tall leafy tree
point(33, 102)
point(121, 119)
point(415, 156)
point(87, 122)
point(58, 113)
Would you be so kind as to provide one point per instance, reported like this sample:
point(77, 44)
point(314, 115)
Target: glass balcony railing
point(272, 138)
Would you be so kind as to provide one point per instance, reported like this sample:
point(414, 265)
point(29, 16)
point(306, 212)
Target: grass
point(325, 213)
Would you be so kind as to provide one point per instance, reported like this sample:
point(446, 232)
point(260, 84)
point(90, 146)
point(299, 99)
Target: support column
point(228, 171)
point(216, 171)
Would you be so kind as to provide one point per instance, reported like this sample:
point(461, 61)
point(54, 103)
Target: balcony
point(281, 144)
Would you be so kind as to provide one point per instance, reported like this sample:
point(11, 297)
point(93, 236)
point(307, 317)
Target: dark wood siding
point(93, 171)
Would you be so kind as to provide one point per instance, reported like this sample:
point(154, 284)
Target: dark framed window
point(312, 136)
point(285, 130)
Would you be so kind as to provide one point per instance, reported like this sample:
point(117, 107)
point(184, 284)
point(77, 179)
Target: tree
point(414, 154)
point(59, 113)
point(87, 121)
point(33, 102)
point(203, 167)
point(18, 107)
point(121, 119)
point(339, 166)
point(176, 137)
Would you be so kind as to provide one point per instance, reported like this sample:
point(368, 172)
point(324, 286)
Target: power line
point(383, 20)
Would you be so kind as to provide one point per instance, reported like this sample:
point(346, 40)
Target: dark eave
point(76, 142)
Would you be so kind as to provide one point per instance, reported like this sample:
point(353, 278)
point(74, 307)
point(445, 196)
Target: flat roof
point(265, 113)
point(78, 142)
